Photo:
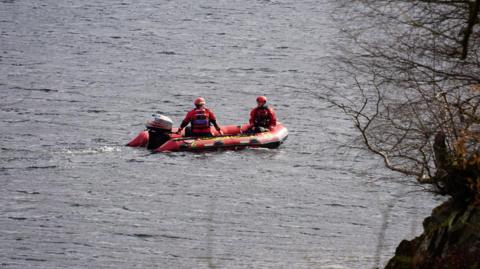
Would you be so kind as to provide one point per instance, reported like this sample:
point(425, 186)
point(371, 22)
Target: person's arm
point(273, 118)
point(252, 117)
point(213, 119)
point(214, 122)
point(185, 122)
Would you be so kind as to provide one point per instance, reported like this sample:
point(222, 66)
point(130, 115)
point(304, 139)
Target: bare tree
point(416, 65)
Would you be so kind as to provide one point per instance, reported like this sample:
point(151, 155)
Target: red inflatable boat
point(234, 137)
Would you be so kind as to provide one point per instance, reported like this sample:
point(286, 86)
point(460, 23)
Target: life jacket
point(262, 117)
point(200, 121)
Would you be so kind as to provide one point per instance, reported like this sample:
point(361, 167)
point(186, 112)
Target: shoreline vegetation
point(416, 67)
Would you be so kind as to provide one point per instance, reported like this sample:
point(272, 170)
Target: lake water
point(78, 80)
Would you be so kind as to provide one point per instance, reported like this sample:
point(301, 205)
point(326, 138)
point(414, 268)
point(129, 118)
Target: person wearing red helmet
point(200, 119)
point(262, 117)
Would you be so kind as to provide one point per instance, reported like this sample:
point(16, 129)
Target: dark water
point(79, 78)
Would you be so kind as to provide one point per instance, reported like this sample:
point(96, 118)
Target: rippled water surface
point(79, 78)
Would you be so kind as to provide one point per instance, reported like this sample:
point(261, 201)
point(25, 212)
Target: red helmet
point(199, 101)
point(261, 99)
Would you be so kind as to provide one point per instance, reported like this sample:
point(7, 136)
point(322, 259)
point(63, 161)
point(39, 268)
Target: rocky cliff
point(451, 240)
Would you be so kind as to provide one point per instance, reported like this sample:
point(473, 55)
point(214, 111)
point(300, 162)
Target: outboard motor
point(158, 130)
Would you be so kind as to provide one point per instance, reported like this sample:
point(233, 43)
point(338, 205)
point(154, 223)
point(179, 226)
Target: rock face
point(451, 240)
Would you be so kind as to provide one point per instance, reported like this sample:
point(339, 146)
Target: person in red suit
point(200, 119)
point(262, 117)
